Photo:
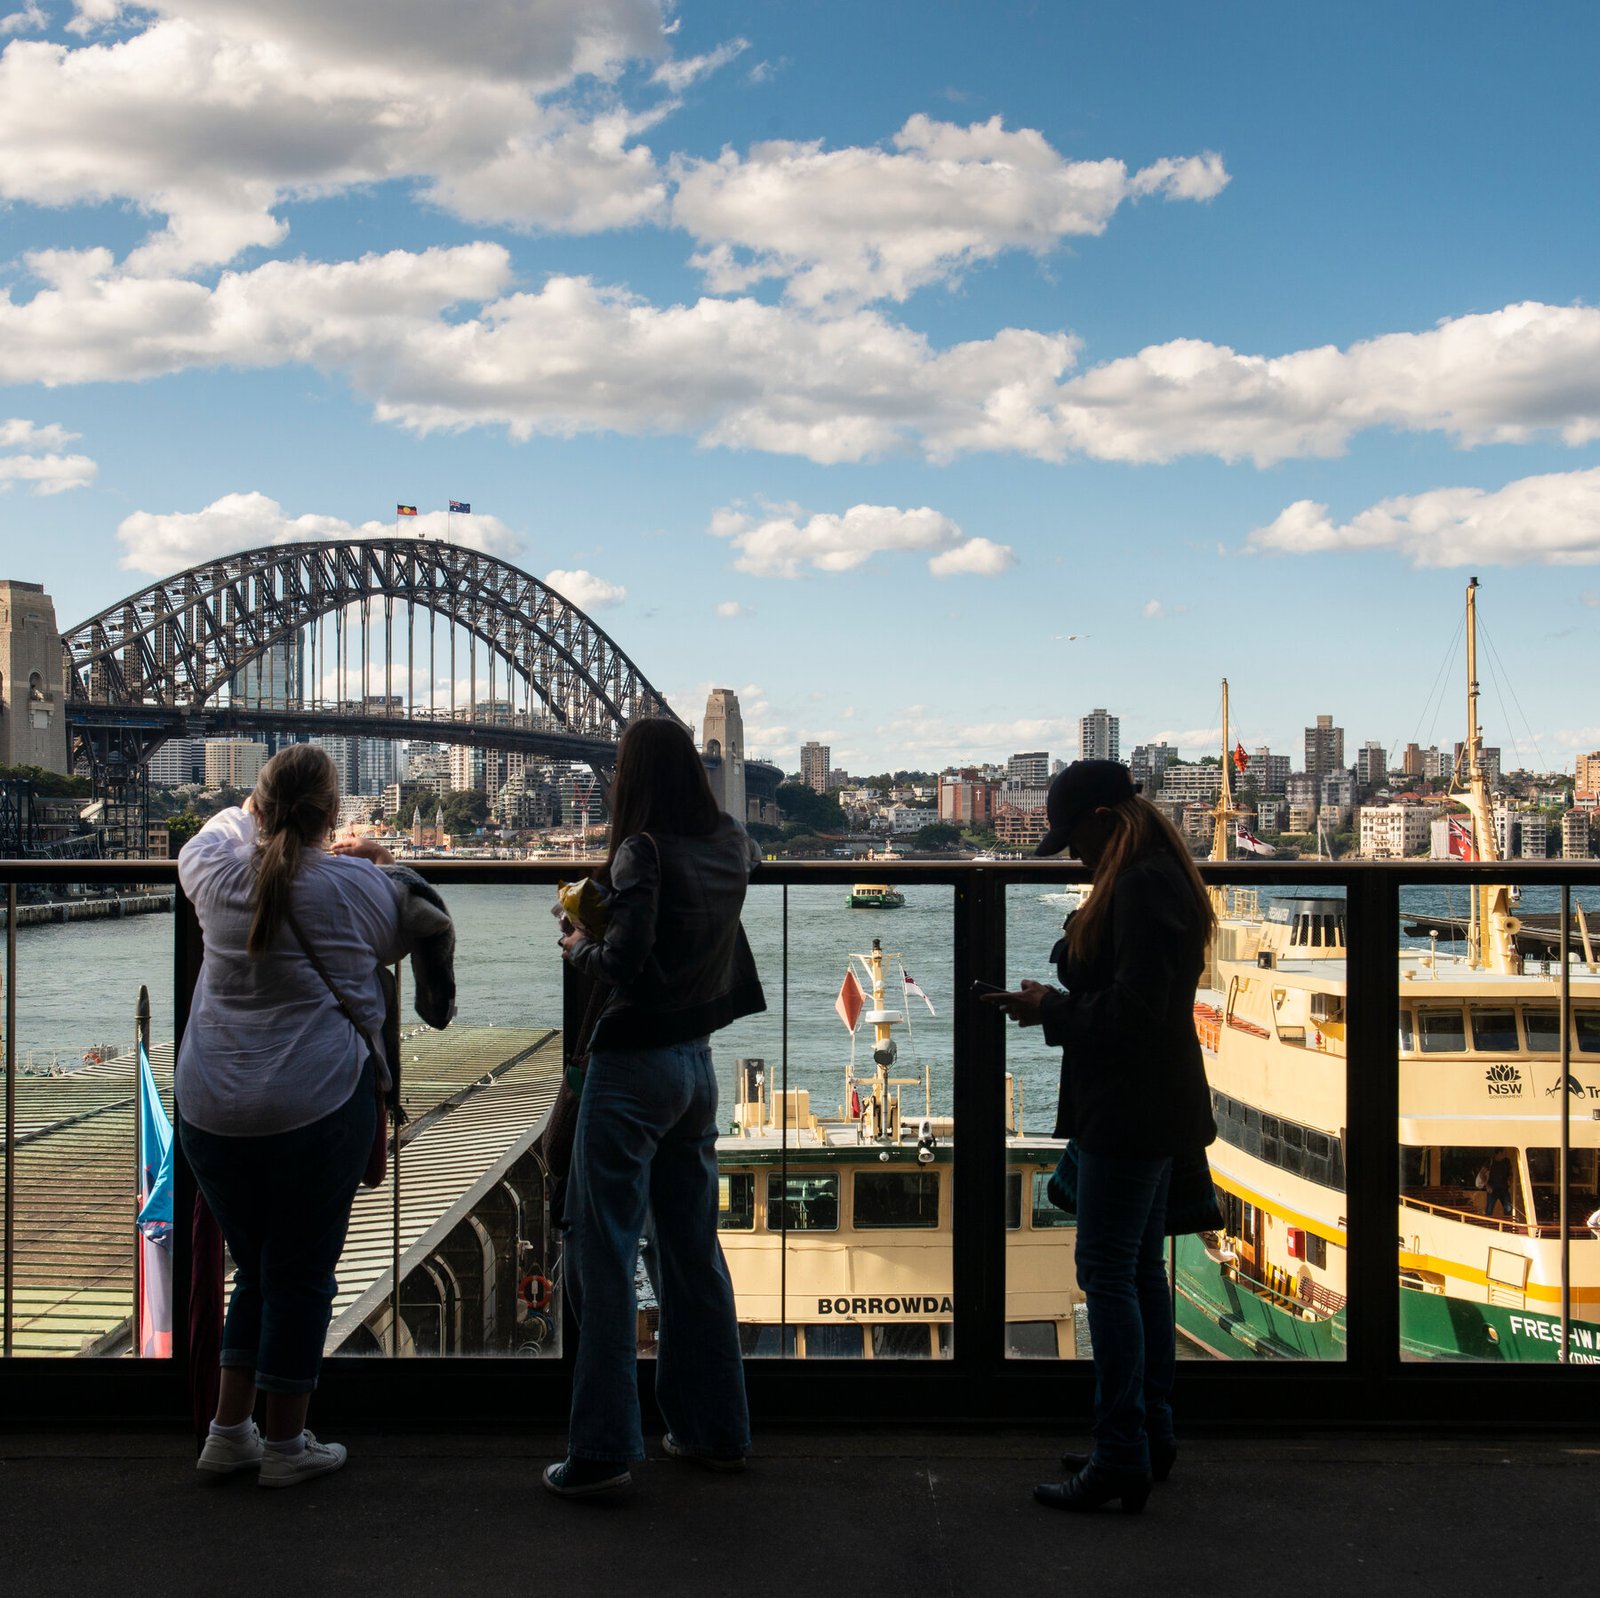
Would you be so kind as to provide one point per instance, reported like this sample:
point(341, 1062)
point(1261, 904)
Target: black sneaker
point(728, 1464)
point(577, 1478)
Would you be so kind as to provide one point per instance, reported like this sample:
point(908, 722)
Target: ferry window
point(1543, 1028)
point(1317, 1144)
point(803, 1203)
point(1030, 1339)
point(1045, 1214)
point(941, 1338)
point(1588, 1024)
point(1494, 1031)
point(1316, 1251)
point(900, 1199)
point(1582, 1198)
point(844, 1341)
point(908, 1340)
point(1442, 1031)
point(1252, 1130)
point(1013, 1200)
point(1408, 1040)
point(1269, 1139)
point(766, 1342)
point(736, 1201)
point(1291, 1152)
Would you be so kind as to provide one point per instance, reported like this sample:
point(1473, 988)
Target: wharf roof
point(475, 1097)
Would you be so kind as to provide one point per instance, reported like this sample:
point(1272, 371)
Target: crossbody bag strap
point(333, 987)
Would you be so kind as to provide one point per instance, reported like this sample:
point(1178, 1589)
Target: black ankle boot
point(1093, 1489)
point(1163, 1456)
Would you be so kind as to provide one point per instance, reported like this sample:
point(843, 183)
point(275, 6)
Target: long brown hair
point(296, 800)
point(660, 785)
point(1138, 828)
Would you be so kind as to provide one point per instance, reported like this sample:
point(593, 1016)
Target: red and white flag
point(1249, 842)
point(1240, 758)
point(1460, 845)
point(914, 992)
point(851, 1001)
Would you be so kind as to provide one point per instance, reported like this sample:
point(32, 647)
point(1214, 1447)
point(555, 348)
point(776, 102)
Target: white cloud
point(212, 112)
point(731, 608)
point(585, 590)
point(862, 223)
point(31, 19)
point(1551, 520)
point(778, 544)
point(1154, 609)
point(977, 557)
point(678, 75)
point(48, 473)
point(162, 544)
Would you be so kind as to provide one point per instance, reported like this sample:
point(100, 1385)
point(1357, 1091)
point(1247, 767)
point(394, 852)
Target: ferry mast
point(1220, 831)
point(1491, 936)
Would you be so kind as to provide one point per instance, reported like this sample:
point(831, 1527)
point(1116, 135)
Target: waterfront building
point(177, 763)
point(1392, 832)
point(1576, 835)
point(1522, 832)
point(1015, 828)
point(1270, 771)
point(1336, 792)
point(722, 743)
point(1146, 764)
point(1488, 764)
point(345, 753)
point(967, 800)
point(357, 810)
point(234, 762)
point(1372, 766)
point(466, 768)
point(1587, 779)
point(389, 801)
point(33, 708)
point(1188, 783)
point(273, 680)
point(1324, 748)
point(1030, 770)
point(1023, 798)
point(904, 819)
point(815, 760)
point(1099, 736)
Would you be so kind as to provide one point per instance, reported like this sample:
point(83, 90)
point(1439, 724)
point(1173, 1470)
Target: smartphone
point(981, 988)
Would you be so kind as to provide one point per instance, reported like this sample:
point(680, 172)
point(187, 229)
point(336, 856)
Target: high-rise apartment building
point(1372, 765)
point(1324, 748)
point(1588, 768)
point(1099, 736)
point(1271, 772)
point(234, 762)
point(1147, 762)
point(177, 762)
point(815, 760)
point(1032, 770)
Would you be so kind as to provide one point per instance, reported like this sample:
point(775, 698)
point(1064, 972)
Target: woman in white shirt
point(276, 1090)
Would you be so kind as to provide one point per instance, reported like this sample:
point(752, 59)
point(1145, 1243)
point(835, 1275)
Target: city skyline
point(930, 379)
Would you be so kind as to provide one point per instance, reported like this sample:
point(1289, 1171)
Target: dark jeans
point(283, 1203)
point(646, 1147)
point(1121, 1255)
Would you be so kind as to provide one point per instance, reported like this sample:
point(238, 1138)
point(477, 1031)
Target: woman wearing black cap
point(1133, 1096)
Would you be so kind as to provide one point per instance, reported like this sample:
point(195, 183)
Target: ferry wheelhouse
point(836, 1223)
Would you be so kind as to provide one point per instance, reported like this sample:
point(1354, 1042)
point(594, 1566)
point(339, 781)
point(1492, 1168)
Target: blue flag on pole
point(153, 1332)
point(460, 507)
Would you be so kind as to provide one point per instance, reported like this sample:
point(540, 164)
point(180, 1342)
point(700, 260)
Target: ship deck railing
point(1458, 1207)
point(1371, 1384)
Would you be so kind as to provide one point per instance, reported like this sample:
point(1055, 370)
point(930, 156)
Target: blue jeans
point(1121, 1256)
point(283, 1203)
point(646, 1142)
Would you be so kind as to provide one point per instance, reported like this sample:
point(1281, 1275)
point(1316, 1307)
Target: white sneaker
point(289, 1470)
point(222, 1456)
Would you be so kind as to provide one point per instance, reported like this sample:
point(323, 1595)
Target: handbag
point(1192, 1196)
point(386, 1052)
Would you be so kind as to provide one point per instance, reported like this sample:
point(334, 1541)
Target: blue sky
point(852, 356)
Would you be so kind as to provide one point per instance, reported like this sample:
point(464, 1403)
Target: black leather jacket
point(1133, 1080)
point(673, 950)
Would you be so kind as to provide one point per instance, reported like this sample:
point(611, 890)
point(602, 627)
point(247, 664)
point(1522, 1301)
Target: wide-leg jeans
point(1121, 1259)
point(646, 1143)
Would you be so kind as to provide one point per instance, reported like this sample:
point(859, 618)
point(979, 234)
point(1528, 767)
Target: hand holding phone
point(982, 990)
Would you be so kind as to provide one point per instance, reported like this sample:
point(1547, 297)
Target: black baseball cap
point(1079, 789)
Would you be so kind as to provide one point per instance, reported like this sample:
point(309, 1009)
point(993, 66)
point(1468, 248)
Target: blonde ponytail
point(296, 799)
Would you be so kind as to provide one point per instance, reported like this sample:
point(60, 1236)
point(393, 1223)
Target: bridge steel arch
point(144, 668)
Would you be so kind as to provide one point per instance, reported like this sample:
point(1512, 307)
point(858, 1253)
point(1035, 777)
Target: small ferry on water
point(875, 896)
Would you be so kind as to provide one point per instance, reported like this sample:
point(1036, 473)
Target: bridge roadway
point(426, 1508)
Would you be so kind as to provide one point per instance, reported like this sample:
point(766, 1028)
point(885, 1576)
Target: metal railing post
point(1372, 1088)
point(978, 1215)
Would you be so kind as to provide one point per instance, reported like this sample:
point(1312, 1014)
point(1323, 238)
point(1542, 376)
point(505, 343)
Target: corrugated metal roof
point(76, 1174)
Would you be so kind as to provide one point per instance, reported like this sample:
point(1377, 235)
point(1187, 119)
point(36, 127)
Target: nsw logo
point(1504, 1080)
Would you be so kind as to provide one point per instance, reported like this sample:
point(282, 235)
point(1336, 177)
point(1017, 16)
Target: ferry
point(836, 1221)
point(874, 896)
point(1482, 1087)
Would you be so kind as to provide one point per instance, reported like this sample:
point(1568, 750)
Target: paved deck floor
point(877, 1513)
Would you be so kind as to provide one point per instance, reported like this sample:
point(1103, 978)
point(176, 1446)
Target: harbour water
point(77, 984)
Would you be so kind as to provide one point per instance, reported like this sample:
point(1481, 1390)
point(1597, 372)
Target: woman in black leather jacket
point(1133, 1097)
point(679, 968)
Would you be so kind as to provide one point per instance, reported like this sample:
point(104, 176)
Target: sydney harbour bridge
point(386, 638)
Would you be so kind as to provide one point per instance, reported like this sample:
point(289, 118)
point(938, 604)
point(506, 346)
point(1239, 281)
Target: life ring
point(91, 1057)
point(535, 1290)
